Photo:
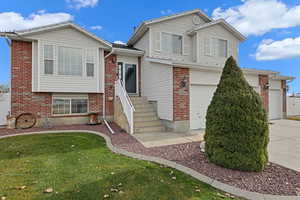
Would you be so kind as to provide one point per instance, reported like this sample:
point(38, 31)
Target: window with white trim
point(69, 105)
point(48, 59)
point(69, 61)
point(171, 43)
point(90, 62)
point(222, 48)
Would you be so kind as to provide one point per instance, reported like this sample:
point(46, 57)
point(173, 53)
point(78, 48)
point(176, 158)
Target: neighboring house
point(4, 106)
point(293, 105)
point(170, 67)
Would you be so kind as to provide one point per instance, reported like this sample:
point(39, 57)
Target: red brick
point(181, 96)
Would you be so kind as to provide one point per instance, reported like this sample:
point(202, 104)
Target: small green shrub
point(237, 130)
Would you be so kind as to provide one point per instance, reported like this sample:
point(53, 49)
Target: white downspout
point(104, 114)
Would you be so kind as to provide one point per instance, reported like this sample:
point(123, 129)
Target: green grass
point(80, 166)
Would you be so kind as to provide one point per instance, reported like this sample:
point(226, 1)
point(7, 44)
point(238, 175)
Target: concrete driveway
point(284, 147)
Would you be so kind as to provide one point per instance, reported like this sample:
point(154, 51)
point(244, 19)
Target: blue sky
point(271, 26)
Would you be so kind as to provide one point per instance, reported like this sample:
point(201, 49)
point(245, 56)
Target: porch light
point(184, 82)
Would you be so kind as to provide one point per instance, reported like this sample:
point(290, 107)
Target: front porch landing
point(159, 139)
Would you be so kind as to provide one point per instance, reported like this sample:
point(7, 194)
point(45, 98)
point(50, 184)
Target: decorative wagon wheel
point(25, 120)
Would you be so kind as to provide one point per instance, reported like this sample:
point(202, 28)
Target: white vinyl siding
point(178, 26)
point(71, 38)
point(158, 87)
point(215, 44)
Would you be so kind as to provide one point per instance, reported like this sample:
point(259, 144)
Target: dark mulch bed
point(275, 179)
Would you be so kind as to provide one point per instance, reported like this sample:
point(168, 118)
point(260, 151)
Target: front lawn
point(80, 166)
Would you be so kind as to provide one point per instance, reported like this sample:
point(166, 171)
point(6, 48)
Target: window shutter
point(207, 47)
point(186, 47)
point(157, 41)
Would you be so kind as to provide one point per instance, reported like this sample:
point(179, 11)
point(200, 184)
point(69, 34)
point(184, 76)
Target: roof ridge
point(44, 26)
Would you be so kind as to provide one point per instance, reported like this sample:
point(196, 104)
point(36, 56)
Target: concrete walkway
point(284, 147)
point(149, 140)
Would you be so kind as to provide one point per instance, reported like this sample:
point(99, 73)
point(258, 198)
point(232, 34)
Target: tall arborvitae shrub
point(237, 131)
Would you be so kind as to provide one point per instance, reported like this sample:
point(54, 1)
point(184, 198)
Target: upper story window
point(48, 59)
point(222, 48)
point(90, 62)
point(69, 61)
point(216, 47)
point(171, 43)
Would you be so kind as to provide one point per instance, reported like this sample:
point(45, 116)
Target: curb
point(216, 184)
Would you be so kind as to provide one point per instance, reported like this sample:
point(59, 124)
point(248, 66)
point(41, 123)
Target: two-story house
point(164, 78)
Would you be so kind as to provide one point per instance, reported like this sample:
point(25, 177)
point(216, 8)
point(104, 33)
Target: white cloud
point(119, 42)
point(257, 17)
point(77, 4)
point(96, 27)
point(10, 21)
point(166, 12)
point(273, 50)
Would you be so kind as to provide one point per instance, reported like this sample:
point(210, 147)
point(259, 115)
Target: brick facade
point(96, 103)
point(264, 90)
point(181, 96)
point(110, 78)
point(23, 100)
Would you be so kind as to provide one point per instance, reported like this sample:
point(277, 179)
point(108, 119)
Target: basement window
point(69, 105)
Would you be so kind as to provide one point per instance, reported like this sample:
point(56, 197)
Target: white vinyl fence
point(4, 107)
point(293, 106)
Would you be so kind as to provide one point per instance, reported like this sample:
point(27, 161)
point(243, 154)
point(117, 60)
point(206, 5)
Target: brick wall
point(96, 103)
point(22, 99)
point(110, 78)
point(264, 91)
point(181, 97)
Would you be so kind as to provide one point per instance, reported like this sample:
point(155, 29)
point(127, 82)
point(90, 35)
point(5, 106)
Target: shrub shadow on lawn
point(22, 146)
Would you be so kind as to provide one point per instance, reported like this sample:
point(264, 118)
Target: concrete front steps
point(145, 116)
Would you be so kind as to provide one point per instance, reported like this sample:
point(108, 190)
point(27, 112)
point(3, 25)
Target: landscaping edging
point(224, 187)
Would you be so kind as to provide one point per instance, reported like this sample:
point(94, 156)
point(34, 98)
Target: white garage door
point(4, 107)
point(275, 104)
point(200, 98)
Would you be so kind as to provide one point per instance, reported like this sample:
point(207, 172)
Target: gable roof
point(143, 27)
point(70, 24)
point(222, 22)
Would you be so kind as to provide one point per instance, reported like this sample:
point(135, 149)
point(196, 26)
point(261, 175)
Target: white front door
point(200, 98)
point(275, 104)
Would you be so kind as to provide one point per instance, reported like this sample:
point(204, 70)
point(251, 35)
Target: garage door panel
point(200, 98)
point(275, 104)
